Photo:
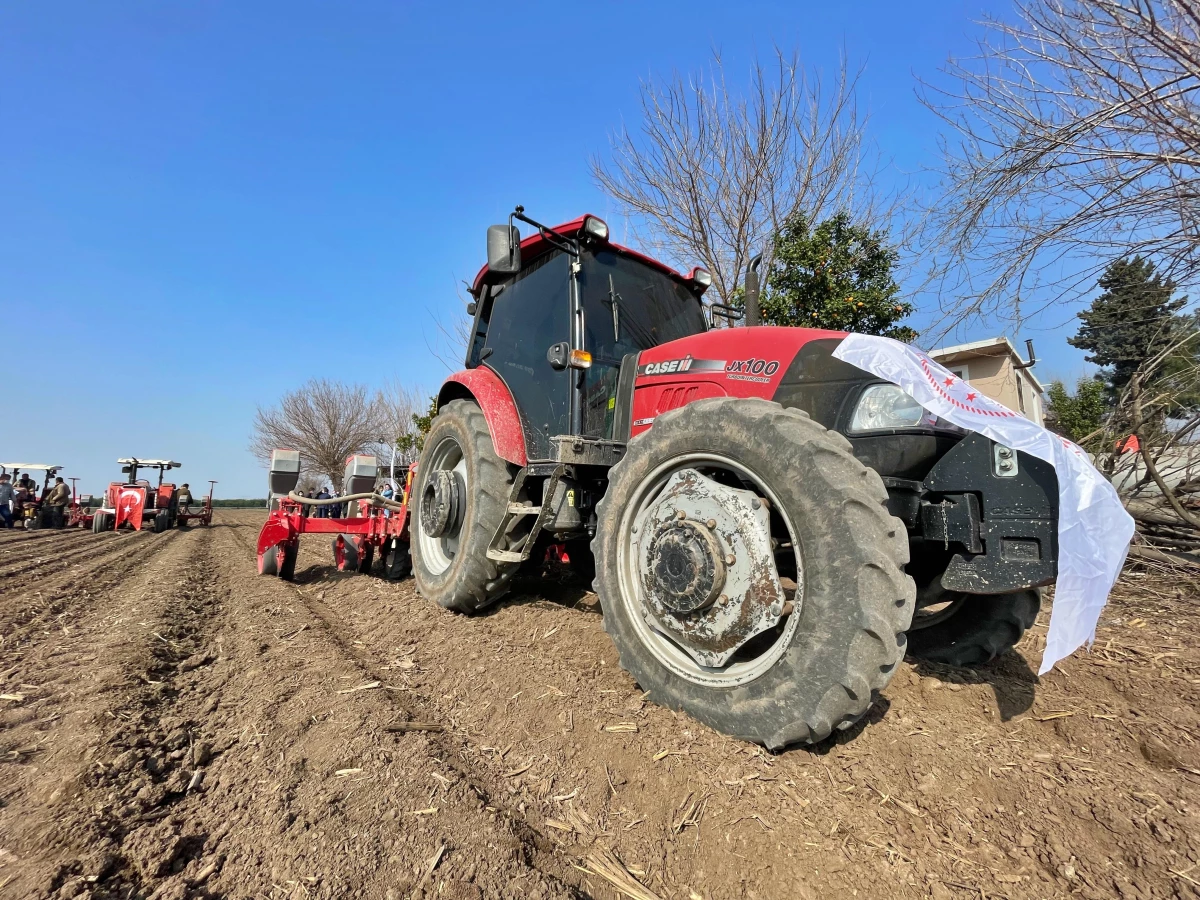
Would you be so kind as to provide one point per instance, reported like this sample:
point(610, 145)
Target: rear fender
point(492, 395)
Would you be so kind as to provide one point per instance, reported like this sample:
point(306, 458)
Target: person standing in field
point(6, 499)
point(57, 500)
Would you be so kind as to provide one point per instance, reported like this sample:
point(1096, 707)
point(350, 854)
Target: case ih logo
point(687, 364)
point(752, 369)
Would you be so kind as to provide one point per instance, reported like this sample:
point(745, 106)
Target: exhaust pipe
point(1032, 356)
point(753, 310)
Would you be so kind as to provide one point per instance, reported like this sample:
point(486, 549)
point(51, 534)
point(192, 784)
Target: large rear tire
point(162, 521)
point(397, 561)
point(459, 501)
point(841, 635)
point(969, 629)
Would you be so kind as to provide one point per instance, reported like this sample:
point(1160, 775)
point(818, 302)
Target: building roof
point(980, 348)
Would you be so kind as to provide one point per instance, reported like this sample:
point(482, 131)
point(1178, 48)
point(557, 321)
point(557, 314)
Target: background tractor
point(134, 502)
point(35, 478)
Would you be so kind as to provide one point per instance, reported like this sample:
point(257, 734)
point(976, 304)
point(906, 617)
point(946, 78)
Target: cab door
point(529, 315)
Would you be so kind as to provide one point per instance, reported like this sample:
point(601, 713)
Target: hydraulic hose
point(377, 501)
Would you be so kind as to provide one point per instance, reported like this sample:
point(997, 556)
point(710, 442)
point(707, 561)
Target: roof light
point(702, 278)
point(581, 359)
point(597, 228)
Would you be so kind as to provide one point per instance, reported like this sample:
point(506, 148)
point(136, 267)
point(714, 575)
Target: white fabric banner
point(1094, 529)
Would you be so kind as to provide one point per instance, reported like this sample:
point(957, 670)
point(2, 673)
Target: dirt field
point(172, 725)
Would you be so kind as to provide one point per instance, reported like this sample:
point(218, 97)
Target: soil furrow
point(184, 728)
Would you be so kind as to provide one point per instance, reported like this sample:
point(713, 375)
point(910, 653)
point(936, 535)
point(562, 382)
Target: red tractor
point(133, 502)
point(28, 507)
point(771, 528)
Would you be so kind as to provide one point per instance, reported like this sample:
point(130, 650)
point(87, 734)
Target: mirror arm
point(549, 235)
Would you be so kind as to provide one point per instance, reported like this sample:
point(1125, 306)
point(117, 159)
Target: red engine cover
point(733, 362)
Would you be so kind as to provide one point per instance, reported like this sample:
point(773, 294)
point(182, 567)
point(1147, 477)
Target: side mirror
point(125, 470)
point(504, 249)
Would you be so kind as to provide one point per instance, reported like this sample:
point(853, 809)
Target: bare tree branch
point(325, 420)
point(711, 175)
point(1077, 142)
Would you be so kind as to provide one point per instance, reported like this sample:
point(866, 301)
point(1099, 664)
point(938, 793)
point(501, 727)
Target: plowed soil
point(172, 725)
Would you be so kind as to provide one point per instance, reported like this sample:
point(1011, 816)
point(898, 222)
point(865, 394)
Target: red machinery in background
point(372, 523)
point(28, 513)
point(127, 504)
point(184, 516)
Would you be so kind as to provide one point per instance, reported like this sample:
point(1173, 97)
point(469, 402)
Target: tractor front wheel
point(750, 573)
point(100, 522)
point(461, 496)
point(969, 629)
point(162, 521)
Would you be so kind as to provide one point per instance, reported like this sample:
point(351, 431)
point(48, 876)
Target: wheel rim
point(936, 609)
point(762, 652)
point(438, 553)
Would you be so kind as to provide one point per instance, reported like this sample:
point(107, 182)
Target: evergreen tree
point(1133, 319)
point(837, 275)
point(416, 441)
point(1077, 416)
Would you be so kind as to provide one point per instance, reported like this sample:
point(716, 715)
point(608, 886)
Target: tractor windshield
point(628, 306)
point(651, 307)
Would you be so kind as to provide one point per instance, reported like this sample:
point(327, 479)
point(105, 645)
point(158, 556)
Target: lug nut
point(723, 600)
point(712, 524)
point(730, 559)
point(680, 514)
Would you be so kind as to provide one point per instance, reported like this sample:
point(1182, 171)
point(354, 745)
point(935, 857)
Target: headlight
point(885, 406)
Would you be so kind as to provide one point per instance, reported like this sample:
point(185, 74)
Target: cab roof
point(38, 466)
point(150, 463)
point(535, 245)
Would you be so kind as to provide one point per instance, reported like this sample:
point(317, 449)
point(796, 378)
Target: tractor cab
point(34, 479)
point(560, 317)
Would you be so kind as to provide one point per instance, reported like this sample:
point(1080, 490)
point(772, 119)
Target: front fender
point(488, 390)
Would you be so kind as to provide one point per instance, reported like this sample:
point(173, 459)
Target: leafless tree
point(1076, 141)
point(710, 174)
point(325, 420)
point(396, 404)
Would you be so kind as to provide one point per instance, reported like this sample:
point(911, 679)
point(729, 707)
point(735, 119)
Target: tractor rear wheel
point(750, 573)
point(397, 560)
point(969, 629)
point(461, 496)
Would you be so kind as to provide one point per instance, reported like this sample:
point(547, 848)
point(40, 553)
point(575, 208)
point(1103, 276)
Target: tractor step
point(523, 520)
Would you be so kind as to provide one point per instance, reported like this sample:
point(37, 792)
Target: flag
point(1094, 529)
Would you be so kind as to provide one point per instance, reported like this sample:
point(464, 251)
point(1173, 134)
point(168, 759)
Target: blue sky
point(203, 204)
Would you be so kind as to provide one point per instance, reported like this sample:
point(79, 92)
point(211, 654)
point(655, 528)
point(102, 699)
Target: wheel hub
point(687, 569)
point(706, 566)
point(441, 502)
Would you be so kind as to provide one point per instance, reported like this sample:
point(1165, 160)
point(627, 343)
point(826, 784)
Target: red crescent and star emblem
point(958, 393)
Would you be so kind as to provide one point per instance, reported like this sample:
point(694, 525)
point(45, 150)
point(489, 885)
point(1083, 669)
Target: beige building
point(995, 367)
